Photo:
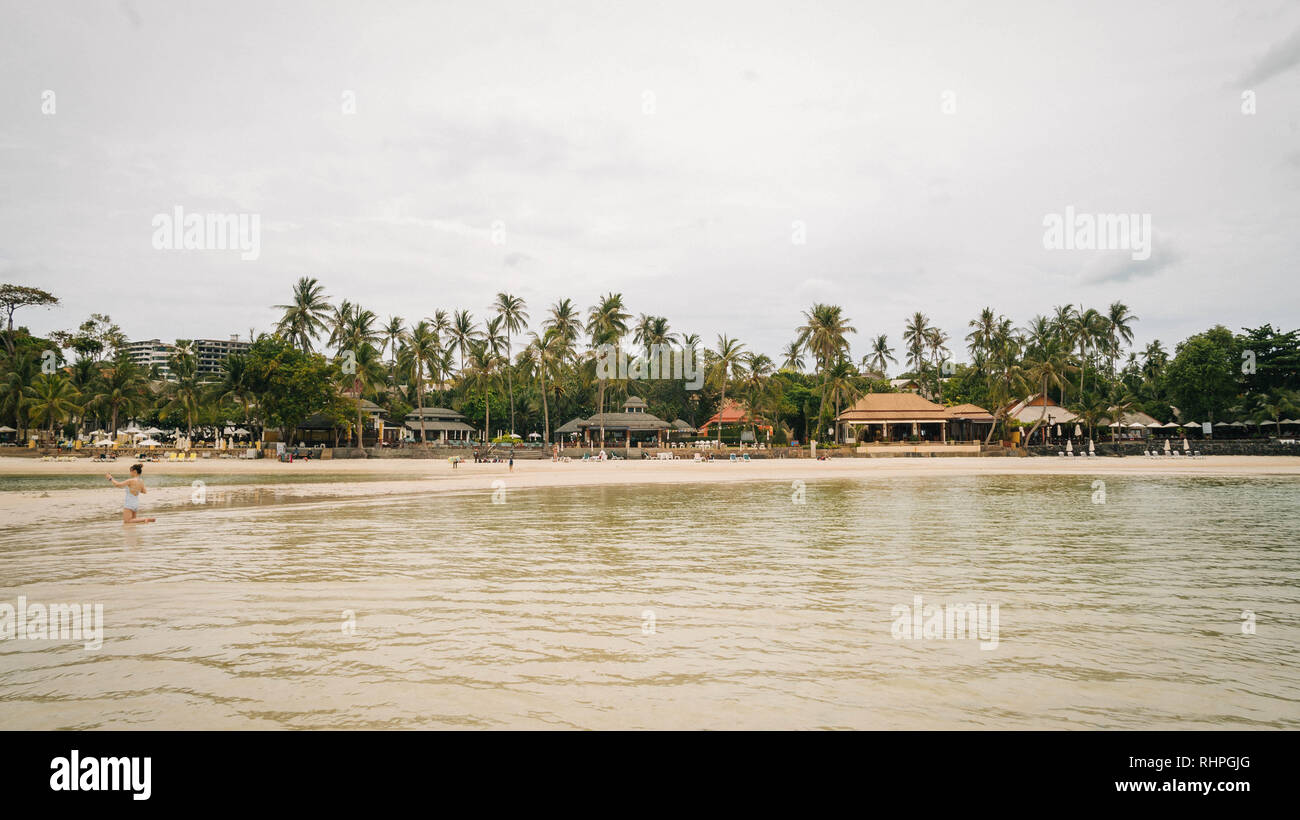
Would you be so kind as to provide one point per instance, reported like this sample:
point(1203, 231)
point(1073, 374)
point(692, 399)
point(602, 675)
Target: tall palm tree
point(1119, 327)
point(184, 391)
point(1047, 369)
point(513, 312)
point(392, 334)
point(841, 386)
point(121, 390)
point(419, 348)
point(726, 364)
point(305, 317)
point(881, 355)
point(368, 373)
point(235, 385)
point(916, 335)
point(484, 360)
point(566, 323)
point(543, 351)
point(606, 325)
point(1088, 329)
point(825, 334)
point(463, 334)
point(792, 357)
point(338, 322)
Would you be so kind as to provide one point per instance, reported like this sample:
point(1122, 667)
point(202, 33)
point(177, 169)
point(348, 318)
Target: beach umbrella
point(1192, 424)
point(7, 429)
point(1058, 430)
point(1170, 424)
point(1186, 448)
point(241, 432)
point(103, 443)
point(1236, 424)
point(1137, 425)
point(1091, 449)
point(1078, 431)
point(534, 435)
point(153, 431)
point(149, 443)
point(1069, 445)
point(132, 429)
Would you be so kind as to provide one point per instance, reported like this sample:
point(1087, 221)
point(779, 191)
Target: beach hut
point(893, 417)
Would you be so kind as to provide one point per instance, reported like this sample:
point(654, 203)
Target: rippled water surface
point(713, 606)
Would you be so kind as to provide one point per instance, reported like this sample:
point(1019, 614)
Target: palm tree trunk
point(509, 386)
point(546, 418)
point(419, 405)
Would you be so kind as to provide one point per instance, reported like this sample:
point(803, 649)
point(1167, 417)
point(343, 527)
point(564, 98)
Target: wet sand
point(371, 478)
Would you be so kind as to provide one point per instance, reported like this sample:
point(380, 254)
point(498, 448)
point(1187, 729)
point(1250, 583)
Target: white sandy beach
point(392, 477)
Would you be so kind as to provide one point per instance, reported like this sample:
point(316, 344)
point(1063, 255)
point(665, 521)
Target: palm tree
point(185, 390)
point(20, 369)
point(123, 390)
point(236, 385)
point(916, 335)
point(419, 348)
point(542, 351)
point(727, 363)
point(463, 334)
point(841, 387)
point(50, 399)
point(792, 357)
point(1089, 327)
point(368, 372)
point(566, 323)
point(1049, 368)
point(1119, 327)
point(980, 336)
point(513, 312)
point(391, 335)
point(338, 323)
point(484, 361)
point(881, 354)
point(824, 333)
point(305, 317)
point(1278, 403)
point(606, 325)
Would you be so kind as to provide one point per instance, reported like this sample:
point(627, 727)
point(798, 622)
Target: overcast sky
point(666, 151)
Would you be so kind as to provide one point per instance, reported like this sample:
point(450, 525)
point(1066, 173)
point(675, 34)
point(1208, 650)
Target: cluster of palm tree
point(503, 365)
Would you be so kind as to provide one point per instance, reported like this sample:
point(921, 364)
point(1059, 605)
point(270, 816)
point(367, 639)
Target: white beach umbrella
point(149, 443)
point(1166, 445)
point(131, 429)
point(1137, 425)
point(1069, 445)
point(240, 432)
point(153, 431)
point(1193, 425)
point(1091, 449)
point(1078, 431)
point(1186, 447)
point(7, 429)
point(104, 442)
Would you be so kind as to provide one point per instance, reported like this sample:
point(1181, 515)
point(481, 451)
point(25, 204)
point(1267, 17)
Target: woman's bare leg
point(128, 517)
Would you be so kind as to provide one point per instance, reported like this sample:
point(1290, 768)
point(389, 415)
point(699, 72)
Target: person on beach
point(131, 503)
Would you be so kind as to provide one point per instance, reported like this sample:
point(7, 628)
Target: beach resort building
point(908, 417)
point(209, 354)
point(733, 414)
point(635, 424)
point(438, 424)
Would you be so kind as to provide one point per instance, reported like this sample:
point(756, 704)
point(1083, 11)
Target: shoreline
point(382, 478)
